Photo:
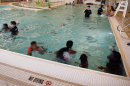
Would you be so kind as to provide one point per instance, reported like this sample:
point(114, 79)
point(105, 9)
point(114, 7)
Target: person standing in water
point(14, 31)
point(88, 12)
point(100, 10)
point(64, 55)
point(73, 3)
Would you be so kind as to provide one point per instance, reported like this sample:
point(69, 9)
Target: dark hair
point(69, 44)
point(101, 6)
point(13, 22)
point(89, 6)
point(117, 55)
point(112, 8)
point(61, 51)
point(73, 1)
point(83, 58)
point(5, 25)
point(33, 42)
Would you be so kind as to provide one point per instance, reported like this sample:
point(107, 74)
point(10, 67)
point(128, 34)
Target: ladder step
point(123, 6)
point(123, 1)
point(121, 10)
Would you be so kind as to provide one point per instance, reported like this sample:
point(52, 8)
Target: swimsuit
point(84, 65)
point(34, 50)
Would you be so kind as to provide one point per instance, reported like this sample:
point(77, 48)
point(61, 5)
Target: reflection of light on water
point(110, 33)
point(102, 15)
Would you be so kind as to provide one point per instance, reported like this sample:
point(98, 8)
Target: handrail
point(122, 30)
point(122, 23)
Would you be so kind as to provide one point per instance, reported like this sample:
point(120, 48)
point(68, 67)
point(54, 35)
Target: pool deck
point(120, 19)
point(22, 70)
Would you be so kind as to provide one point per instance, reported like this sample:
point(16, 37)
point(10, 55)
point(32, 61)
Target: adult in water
point(100, 10)
point(88, 12)
point(64, 55)
point(114, 64)
point(34, 48)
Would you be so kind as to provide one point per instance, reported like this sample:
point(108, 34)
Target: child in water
point(73, 3)
point(14, 29)
point(34, 47)
point(6, 28)
point(84, 61)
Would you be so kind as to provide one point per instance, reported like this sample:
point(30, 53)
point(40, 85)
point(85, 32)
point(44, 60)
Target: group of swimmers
point(73, 3)
point(13, 28)
point(66, 54)
point(110, 11)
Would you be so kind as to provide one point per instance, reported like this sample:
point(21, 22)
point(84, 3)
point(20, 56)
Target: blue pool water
point(52, 28)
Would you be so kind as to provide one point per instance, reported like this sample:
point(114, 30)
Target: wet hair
point(61, 51)
point(5, 25)
point(13, 22)
point(69, 44)
point(117, 55)
point(89, 6)
point(33, 42)
point(112, 8)
point(101, 6)
point(83, 58)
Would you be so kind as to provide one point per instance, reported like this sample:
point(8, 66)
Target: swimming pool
point(52, 28)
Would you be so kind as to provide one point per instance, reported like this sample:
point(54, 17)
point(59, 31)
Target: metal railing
point(122, 30)
point(122, 23)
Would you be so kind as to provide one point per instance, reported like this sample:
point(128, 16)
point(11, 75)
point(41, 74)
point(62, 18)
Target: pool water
point(52, 28)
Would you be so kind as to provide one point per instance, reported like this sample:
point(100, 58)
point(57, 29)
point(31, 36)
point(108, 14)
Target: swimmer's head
point(5, 26)
point(114, 56)
point(69, 44)
point(101, 6)
point(13, 23)
point(34, 45)
point(88, 7)
point(83, 58)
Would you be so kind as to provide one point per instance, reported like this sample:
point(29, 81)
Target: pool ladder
point(122, 30)
point(123, 4)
